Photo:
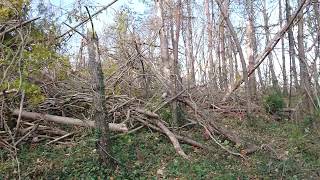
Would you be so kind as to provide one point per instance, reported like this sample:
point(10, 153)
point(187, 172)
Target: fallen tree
point(67, 120)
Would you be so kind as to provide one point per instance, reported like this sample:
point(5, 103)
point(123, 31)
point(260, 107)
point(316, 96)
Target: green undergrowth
point(149, 155)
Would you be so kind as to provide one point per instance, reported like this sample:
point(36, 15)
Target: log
point(172, 138)
point(183, 139)
point(67, 120)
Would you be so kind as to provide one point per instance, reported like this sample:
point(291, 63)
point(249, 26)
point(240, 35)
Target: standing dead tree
point(99, 98)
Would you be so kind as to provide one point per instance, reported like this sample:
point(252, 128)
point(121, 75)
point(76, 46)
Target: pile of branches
point(69, 102)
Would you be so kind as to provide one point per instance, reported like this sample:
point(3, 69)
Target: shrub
point(273, 103)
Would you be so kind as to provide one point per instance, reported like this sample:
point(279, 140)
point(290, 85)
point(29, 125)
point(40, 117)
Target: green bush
point(273, 103)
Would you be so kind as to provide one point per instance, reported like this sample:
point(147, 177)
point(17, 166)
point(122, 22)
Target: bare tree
point(284, 69)
point(292, 53)
point(304, 75)
point(210, 41)
point(274, 79)
point(189, 46)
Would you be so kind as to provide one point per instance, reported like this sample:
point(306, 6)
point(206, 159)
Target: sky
point(61, 8)
point(106, 17)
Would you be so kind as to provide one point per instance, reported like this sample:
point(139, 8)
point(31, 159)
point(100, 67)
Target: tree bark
point(210, 41)
point(274, 79)
point(250, 46)
point(292, 52)
point(99, 116)
point(223, 64)
point(304, 75)
point(284, 69)
point(67, 120)
point(189, 46)
point(316, 7)
point(165, 64)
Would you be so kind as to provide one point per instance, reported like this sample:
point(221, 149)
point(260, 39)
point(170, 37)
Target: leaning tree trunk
point(99, 101)
point(239, 48)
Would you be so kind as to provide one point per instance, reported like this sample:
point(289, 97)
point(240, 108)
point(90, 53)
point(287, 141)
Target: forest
point(159, 89)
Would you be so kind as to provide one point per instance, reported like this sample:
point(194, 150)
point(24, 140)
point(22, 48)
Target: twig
point(59, 138)
point(19, 116)
point(8, 92)
point(87, 19)
point(25, 136)
point(218, 143)
point(167, 102)
point(129, 132)
point(181, 138)
point(18, 25)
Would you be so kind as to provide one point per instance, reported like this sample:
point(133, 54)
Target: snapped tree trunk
point(99, 116)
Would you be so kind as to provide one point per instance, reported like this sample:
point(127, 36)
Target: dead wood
point(147, 113)
point(8, 92)
point(155, 118)
point(59, 138)
point(44, 129)
point(172, 138)
point(179, 137)
point(212, 126)
point(67, 120)
point(17, 26)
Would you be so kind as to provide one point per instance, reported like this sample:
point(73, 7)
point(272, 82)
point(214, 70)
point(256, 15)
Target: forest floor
point(294, 154)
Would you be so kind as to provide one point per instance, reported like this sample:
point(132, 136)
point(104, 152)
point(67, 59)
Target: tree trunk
point(316, 7)
point(238, 46)
point(210, 41)
point(284, 69)
point(223, 65)
point(274, 79)
point(292, 52)
point(165, 64)
point(250, 47)
point(305, 84)
point(175, 71)
point(189, 48)
point(99, 100)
